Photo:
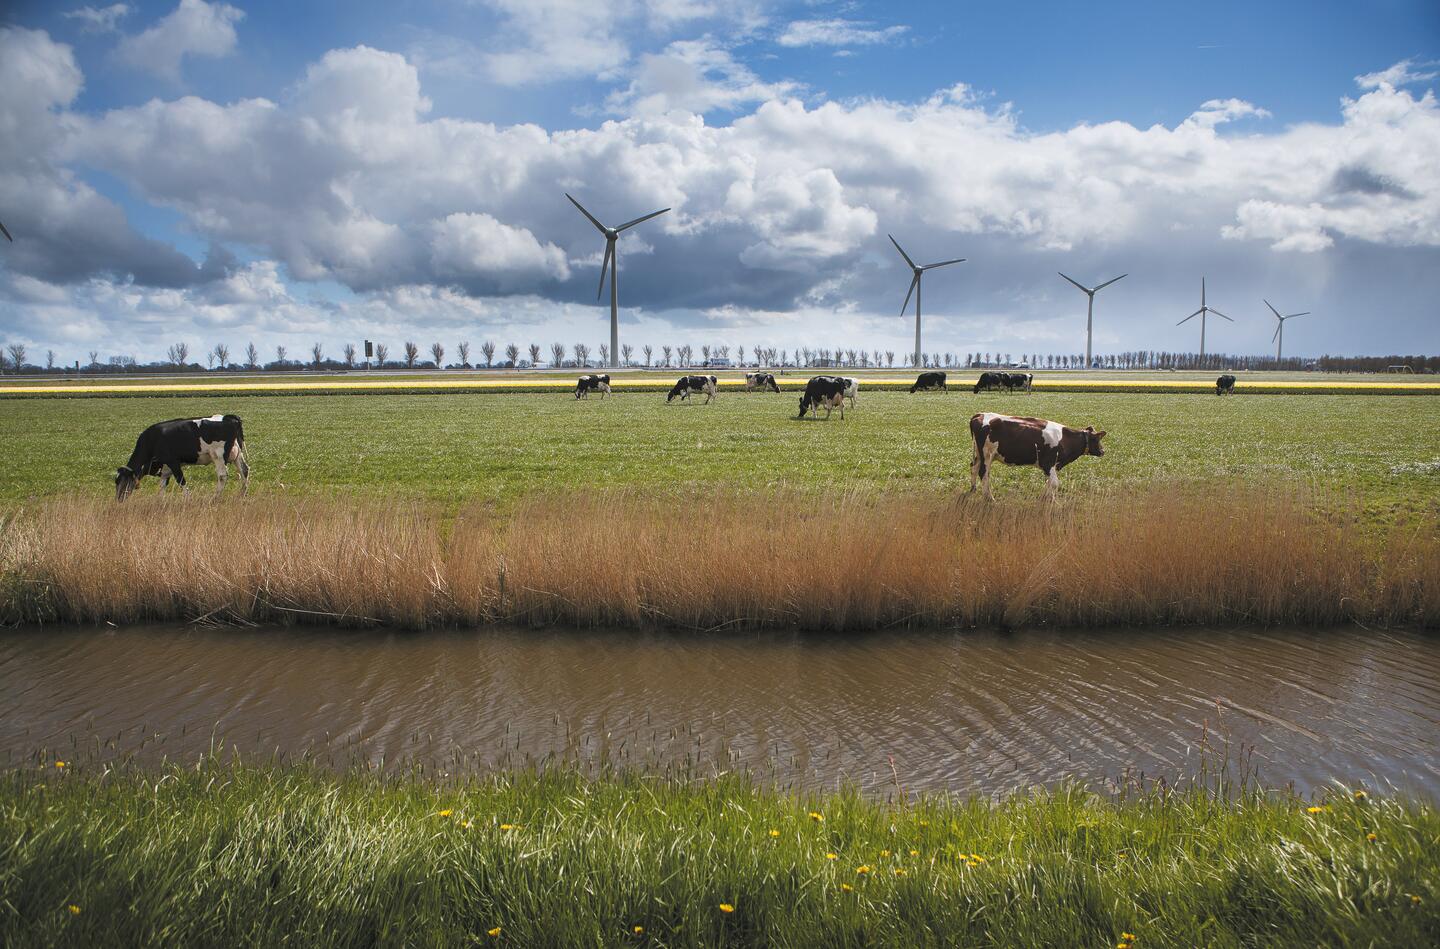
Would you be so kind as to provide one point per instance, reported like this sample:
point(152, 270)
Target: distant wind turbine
point(1090, 312)
point(611, 235)
point(919, 269)
point(6, 233)
point(1279, 338)
point(1202, 313)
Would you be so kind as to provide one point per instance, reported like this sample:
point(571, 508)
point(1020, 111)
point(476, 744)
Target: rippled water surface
point(964, 712)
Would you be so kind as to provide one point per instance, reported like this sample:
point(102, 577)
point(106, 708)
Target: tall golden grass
point(857, 561)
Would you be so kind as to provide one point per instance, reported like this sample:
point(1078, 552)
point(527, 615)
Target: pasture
point(498, 448)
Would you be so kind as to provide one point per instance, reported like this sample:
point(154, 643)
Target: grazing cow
point(761, 381)
point(1224, 384)
point(1019, 380)
point(851, 389)
point(1047, 445)
point(166, 447)
point(1008, 381)
point(589, 384)
point(989, 381)
point(928, 381)
point(688, 384)
point(826, 391)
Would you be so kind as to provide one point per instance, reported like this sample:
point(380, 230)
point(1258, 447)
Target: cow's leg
point(1052, 483)
point(164, 479)
point(179, 474)
point(244, 467)
point(977, 463)
point(222, 473)
point(991, 450)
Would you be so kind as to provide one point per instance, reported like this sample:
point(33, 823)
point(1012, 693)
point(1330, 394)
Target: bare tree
point(222, 354)
point(252, 355)
point(381, 352)
point(438, 351)
point(280, 354)
point(487, 349)
point(177, 354)
point(17, 355)
point(647, 349)
point(209, 360)
point(412, 352)
point(349, 355)
point(317, 355)
point(705, 351)
point(463, 348)
point(534, 354)
point(49, 359)
point(604, 354)
point(3, 360)
point(890, 358)
point(685, 352)
point(740, 351)
point(627, 351)
point(582, 355)
point(94, 356)
point(557, 355)
point(512, 354)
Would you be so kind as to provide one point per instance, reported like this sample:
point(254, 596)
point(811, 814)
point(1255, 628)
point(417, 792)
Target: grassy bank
point(860, 560)
point(232, 855)
point(457, 449)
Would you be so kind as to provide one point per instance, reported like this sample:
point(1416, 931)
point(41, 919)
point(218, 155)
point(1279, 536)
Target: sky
point(335, 170)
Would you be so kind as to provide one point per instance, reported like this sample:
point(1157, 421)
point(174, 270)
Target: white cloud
point(693, 76)
point(838, 32)
point(1403, 73)
point(99, 19)
point(476, 246)
point(194, 28)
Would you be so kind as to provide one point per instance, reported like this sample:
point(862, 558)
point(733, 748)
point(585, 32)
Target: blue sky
point(326, 171)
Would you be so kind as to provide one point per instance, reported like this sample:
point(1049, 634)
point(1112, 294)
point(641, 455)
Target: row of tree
point(178, 358)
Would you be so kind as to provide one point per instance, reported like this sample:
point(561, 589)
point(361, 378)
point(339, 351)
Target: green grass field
point(223, 855)
point(498, 447)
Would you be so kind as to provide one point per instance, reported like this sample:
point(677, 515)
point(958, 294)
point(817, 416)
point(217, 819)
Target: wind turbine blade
point(598, 226)
point(1291, 316)
point(913, 281)
point(1202, 293)
point(640, 220)
point(1108, 282)
point(605, 267)
point(1219, 314)
point(1277, 332)
point(1082, 289)
point(6, 233)
point(1272, 308)
point(902, 253)
point(1191, 317)
point(944, 263)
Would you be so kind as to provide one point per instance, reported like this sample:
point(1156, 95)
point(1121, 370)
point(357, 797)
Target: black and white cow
point(761, 381)
point(166, 447)
point(928, 381)
point(1225, 384)
point(685, 385)
point(1047, 445)
point(589, 384)
point(852, 388)
point(1008, 381)
point(823, 391)
point(1019, 380)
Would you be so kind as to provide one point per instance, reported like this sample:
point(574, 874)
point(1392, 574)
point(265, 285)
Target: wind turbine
point(1090, 312)
point(919, 269)
point(6, 233)
point(611, 235)
point(1202, 313)
point(1279, 338)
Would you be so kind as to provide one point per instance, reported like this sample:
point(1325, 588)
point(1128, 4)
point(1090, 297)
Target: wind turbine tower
point(1202, 313)
point(1279, 338)
point(919, 270)
point(612, 234)
point(1090, 311)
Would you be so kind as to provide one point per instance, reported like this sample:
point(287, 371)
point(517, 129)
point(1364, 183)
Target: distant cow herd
point(165, 448)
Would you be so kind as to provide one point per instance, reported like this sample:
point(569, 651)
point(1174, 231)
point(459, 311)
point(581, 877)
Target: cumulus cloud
point(693, 76)
point(837, 32)
point(1403, 73)
point(99, 19)
point(194, 28)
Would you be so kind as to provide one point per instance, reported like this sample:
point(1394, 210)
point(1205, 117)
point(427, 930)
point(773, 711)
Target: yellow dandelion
point(978, 859)
point(884, 853)
point(863, 869)
point(924, 823)
point(832, 856)
point(846, 888)
point(1371, 837)
point(638, 930)
point(901, 871)
point(446, 813)
point(74, 910)
point(492, 933)
point(817, 816)
point(1314, 809)
point(59, 764)
point(1122, 855)
point(727, 908)
point(507, 826)
point(774, 832)
point(1414, 898)
point(467, 824)
point(1122, 945)
point(1128, 937)
point(914, 853)
point(1360, 795)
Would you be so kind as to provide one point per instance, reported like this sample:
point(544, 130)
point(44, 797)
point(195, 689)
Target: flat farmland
point(499, 447)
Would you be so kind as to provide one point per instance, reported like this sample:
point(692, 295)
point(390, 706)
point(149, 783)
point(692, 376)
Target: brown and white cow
point(1014, 440)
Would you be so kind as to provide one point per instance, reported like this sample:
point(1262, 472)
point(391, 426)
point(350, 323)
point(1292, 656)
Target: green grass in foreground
point(221, 855)
point(500, 447)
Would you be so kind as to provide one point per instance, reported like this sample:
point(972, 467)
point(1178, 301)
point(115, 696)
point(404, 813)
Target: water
point(962, 712)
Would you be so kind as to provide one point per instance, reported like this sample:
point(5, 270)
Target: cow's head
point(126, 481)
point(804, 404)
point(1092, 444)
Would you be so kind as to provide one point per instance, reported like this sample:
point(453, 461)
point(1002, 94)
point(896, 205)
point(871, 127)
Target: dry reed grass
point(858, 561)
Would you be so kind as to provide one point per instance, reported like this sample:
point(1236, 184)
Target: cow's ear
point(1090, 428)
point(1099, 435)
